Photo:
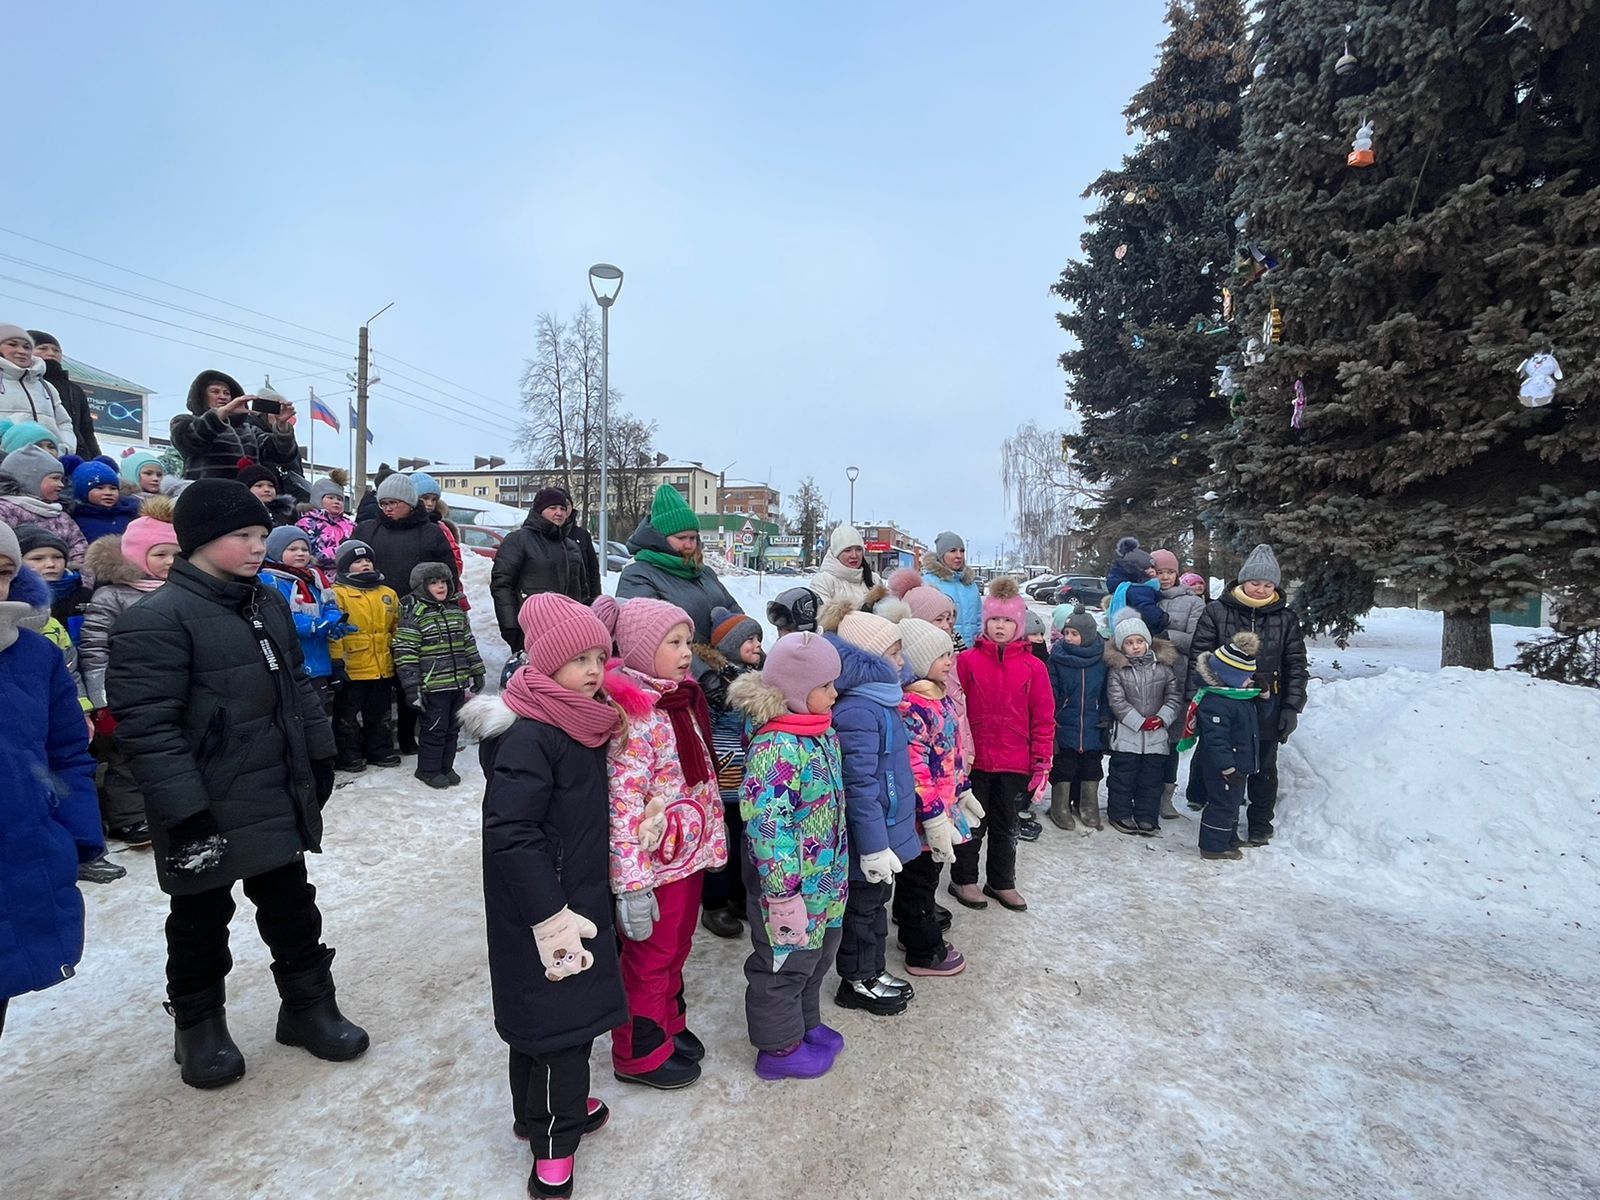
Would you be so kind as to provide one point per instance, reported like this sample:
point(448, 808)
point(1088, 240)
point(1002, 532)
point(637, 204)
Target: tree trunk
point(1202, 553)
point(1467, 641)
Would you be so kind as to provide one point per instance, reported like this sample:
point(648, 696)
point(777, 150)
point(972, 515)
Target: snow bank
point(1404, 637)
point(1478, 788)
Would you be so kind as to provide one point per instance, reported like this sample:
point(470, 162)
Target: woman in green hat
point(668, 563)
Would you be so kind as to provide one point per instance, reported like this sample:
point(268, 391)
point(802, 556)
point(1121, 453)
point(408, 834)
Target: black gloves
point(1287, 720)
point(195, 845)
point(513, 637)
point(341, 673)
point(322, 778)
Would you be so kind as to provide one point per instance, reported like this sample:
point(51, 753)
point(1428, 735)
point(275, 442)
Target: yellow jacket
point(374, 612)
point(57, 633)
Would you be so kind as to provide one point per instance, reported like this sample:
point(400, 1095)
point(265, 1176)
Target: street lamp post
point(605, 281)
point(852, 474)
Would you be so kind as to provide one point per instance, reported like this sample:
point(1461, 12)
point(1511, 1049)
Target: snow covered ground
point(1396, 999)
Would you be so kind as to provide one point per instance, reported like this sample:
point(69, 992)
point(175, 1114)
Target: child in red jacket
point(1012, 712)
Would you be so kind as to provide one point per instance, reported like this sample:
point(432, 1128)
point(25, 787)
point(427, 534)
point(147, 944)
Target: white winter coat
point(25, 396)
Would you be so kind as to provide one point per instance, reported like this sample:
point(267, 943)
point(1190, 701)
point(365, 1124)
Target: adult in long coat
point(49, 816)
point(73, 398)
point(668, 564)
point(946, 569)
point(219, 429)
point(541, 556)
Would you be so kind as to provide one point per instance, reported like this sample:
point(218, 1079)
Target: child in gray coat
point(1142, 690)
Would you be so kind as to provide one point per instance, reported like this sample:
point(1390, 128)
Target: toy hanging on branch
point(1298, 412)
point(1361, 154)
point(1121, 251)
point(1539, 375)
point(1272, 327)
point(1347, 62)
point(1254, 355)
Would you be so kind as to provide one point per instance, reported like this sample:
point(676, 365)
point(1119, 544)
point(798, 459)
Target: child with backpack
point(437, 662)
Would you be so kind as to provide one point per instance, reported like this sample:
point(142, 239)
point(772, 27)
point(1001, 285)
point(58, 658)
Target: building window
point(480, 491)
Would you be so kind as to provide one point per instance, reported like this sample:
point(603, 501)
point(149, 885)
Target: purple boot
point(806, 1060)
point(830, 1040)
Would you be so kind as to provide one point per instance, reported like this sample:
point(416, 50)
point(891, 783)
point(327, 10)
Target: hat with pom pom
point(1005, 601)
point(640, 626)
point(151, 528)
point(1133, 556)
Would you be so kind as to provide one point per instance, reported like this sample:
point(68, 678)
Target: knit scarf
point(145, 584)
point(800, 724)
point(672, 564)
point(886, 694)
point(34, 505)
point(686, 706)
point(1251, 602)
point(1191, 719)
point(862, 574)
point(365, 579)
point(587, 720)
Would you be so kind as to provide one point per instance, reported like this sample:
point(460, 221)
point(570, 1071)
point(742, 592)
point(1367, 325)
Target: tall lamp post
point(852, 474)
point(605, 281)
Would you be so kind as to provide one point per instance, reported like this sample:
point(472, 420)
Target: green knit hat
point(670, 513)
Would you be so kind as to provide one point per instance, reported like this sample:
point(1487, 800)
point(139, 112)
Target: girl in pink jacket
point(666, 832)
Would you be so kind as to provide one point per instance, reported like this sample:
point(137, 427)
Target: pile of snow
point(1404, 637)
point(1472, 788)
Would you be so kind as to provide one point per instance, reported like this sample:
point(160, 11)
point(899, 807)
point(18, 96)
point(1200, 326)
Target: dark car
point(481, 539)
point(1086, 590)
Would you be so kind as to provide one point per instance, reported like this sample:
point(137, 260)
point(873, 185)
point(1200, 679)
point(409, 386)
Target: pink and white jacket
point(937, 761)
point(644, 766)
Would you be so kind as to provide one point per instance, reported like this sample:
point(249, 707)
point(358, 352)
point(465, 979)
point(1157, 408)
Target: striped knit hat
point(1235, 661)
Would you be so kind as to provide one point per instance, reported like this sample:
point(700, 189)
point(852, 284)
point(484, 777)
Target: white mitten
point(560, 941)
point(880, 866)
point(941, 839)
point(653, 825)
point(970, 806)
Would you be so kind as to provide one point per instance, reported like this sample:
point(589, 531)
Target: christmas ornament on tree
point(1138, 342)
point(1272, 327)
point(1122, 251)
point(1298, 412)
point(1361, 154)
point(1539, 375)
point(1227, 304)
point(1254, 355)
point(1347, 62)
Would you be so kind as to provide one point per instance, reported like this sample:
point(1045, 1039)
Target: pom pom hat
point(640, 626)
point(1004, 600)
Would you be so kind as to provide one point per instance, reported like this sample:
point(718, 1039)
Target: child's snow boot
point(202, 1048)
point(1168, 813)
point(551, 1177)
point(309, 1016)
point(1089, 804)
point(804, 1060)
point(1061, 805)
point(1233, 852)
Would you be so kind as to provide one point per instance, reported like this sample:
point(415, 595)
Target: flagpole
point(311, 415)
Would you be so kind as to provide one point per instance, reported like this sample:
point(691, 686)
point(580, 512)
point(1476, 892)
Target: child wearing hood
point(880, 795)
point(795, 858)
point(1078, 678)
point(734, 651)
point(363, 660)
point(47, 805)
point(945, 812)
point(1183, 609)
point(1142, 692)
point(552, 948)
point(31, 484)
point(317, 618)
point(327, 525)
point(101, 508)
point(126, 570)
point(436, 659)
point(666, 832)
point(1222, 719)
point(1013, 727)
point(844, 573)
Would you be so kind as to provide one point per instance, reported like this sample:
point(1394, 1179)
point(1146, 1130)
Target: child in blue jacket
point(1133, 584)
point(1077, 669)
point(880, 795)
point(291, 568)
point(1224, 720)
point(49, 813)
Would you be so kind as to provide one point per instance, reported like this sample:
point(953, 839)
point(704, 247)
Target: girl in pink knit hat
point(667, 830)
point(546, 845)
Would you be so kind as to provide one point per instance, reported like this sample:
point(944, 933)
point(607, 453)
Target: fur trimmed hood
point(1164, 651)
point(196, 401)
point(757, 699)
point(932, 566)
point(712, 658)
point(486, 717)
point(107, 564)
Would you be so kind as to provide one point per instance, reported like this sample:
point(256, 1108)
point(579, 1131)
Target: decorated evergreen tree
point(1432, 192)
point(1146, 299)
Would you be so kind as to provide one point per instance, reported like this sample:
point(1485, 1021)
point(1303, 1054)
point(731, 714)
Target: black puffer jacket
point(546, 846)
point(594, 577)
point(400, 546)
point(1282, 671)
point(76, 401)
point(539, 557)
point(212, 446)
point(208, 723)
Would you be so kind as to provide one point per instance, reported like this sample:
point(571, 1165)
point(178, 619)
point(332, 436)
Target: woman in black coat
point(541, 556)
point(229, 742)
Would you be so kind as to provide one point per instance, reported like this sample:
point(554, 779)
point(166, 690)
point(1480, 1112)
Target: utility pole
point(358, 485)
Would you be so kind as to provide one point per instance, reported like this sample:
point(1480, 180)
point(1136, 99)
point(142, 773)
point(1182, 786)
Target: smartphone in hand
point(266, 406)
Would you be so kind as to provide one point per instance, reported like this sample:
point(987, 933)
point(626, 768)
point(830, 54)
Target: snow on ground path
point(1155, 1026)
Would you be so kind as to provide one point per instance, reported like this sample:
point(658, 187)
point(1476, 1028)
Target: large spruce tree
point(1146, 297)
point(1410, 292)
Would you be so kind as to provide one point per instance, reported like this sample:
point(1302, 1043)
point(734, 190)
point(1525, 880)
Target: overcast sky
point(839, 221)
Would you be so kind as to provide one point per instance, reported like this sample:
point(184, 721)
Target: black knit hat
point(41, 338)
point(211, 508)
point(252, 473)
point(350, 550)
point(545, 497)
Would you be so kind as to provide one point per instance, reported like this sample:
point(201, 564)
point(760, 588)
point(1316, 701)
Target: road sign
point(747, 538)
point(783, 539)
point(749, 526)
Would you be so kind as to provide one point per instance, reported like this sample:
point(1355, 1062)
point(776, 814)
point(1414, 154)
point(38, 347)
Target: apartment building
point(752, 499)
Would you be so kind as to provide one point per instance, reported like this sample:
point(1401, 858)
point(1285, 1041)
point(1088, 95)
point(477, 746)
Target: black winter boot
point(201, 1047)
point(309, 1017)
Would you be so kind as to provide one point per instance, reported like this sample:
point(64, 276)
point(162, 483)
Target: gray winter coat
point(1142, 687)
point(1183, 609)
point(114, 594)
point(697, 596)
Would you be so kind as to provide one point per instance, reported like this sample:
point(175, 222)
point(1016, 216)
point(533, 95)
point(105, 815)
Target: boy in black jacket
point(229, 742)
point(1223, 719)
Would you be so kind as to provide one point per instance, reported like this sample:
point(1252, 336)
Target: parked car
point(617, 556)
point(1031, 588)
point(1086, 590)
point(482, 539)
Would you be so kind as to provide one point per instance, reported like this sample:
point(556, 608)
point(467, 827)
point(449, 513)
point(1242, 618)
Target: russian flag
point(321, 412)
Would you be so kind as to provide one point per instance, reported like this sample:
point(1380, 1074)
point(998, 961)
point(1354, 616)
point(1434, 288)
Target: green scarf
point(672, 564)
point(1191, 733)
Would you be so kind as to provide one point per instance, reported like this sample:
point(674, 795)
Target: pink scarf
point(540, 698)
point(800, 724)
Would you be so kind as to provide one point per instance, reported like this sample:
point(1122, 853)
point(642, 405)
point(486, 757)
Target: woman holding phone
point(224, 424)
